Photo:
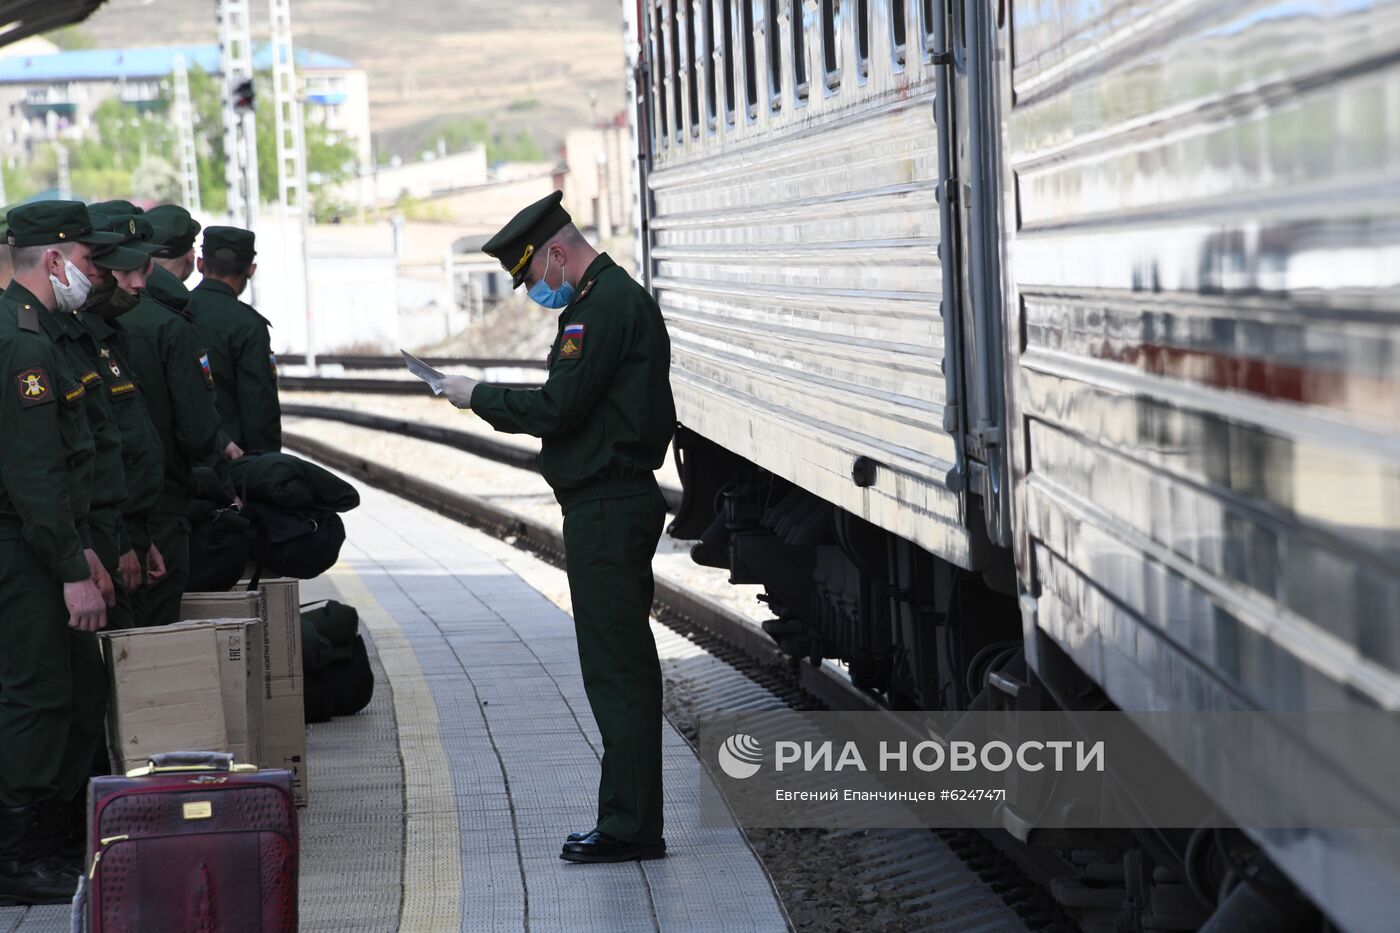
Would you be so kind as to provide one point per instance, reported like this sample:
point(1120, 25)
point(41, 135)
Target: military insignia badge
point(115, 369)
point(203, 360)
point(572, 346)
point(33, 386)
point(89, 377)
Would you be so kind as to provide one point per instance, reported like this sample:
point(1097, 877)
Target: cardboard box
point(164, 693)
point(284, 716)
point(240, 644)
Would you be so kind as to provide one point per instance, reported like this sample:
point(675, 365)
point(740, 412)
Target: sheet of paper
point(423, 371)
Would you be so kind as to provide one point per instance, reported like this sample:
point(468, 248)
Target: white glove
point(458, 390)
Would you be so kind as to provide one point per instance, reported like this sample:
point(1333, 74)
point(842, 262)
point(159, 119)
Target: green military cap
point(135, 250)
point(527, 231)
point(139, 234)
point(233, 243)
point(175, 229)
point(44, 223)
point(121, 258)
point(114, 207)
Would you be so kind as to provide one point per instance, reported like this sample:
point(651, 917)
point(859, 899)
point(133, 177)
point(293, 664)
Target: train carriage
point(1059, 339)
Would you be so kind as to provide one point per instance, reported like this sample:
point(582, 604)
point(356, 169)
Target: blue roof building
point(155, 62)
point(52, 95)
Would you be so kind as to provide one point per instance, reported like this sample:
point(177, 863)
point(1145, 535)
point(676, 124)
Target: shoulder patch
point(202, 358)
point(34, 386)
point(571, 346)
point(29, 318)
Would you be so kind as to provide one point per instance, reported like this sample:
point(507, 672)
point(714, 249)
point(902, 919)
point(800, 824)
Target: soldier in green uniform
point(108, 530)
point(53, 589)
point(240, 348)
point(143, 457)
point(177, 383)
point(605, 417)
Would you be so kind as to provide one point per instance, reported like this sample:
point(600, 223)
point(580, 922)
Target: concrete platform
point(444, 804)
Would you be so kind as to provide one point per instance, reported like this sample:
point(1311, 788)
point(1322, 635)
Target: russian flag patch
point(571, 344)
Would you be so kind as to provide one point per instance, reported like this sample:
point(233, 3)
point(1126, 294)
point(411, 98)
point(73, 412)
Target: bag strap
point(257, 530)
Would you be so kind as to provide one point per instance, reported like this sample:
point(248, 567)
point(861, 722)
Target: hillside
point(526, 65)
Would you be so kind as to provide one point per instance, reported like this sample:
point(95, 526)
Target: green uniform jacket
point(605, 414)
point(176, 380)
point(108, 478)
point(143, 458)
point(46, 456)
point(245, 369)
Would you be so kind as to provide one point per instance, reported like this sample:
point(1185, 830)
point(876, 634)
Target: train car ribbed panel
point(1208, 269)
point(794, 251)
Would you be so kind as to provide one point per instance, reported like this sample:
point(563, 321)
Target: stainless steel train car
point(1047, 353)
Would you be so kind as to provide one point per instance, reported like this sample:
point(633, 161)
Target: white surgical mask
point(70, 297)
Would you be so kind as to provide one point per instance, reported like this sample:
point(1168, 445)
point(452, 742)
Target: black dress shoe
point(575, 837)
point(600, 847)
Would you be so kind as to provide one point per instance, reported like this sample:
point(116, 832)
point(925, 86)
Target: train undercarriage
point(924, 634)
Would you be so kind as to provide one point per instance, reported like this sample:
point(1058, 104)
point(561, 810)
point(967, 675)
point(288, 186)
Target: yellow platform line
point(432, 858)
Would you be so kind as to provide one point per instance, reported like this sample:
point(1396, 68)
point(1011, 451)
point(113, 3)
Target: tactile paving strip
point(352, 832)
point(432, 865)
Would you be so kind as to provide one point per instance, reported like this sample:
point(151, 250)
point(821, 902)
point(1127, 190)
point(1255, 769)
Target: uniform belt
point(606, 489)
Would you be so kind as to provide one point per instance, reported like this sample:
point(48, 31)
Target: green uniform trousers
point(170, 532)
point(608, 545)
point(104, 527)
point(53, 690)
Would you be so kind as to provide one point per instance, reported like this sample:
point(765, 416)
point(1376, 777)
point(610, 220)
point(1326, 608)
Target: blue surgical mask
point(541, 294)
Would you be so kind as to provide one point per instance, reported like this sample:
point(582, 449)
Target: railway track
point(921, 871)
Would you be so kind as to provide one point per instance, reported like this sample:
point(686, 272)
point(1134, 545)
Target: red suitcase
point(192, 843)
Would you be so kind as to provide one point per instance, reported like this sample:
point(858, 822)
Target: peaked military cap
point(229, 243)
point(139, 233)
point(45, 223)
point(527, 231)
point(114, 207)
point(175, 229)
point(121, 258)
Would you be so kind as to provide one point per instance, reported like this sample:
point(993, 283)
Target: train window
point(692, 71)
point(750, 63)
point(710, 53)
point(775, 56)
point(930, 24)
point(729, 105)
point(799, 49)
point(678, 110)
point(899, 27)
point(658, 73)
point(831, 42)
point(863, 37)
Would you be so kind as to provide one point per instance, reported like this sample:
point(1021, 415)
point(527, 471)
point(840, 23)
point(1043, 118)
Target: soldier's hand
point(100, 578)
point(155, 565)
point(458, 390)
point(86, 612)
point(129, 566)
point(233, 451)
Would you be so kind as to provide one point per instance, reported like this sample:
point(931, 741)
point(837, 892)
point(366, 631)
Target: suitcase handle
point(173, 762)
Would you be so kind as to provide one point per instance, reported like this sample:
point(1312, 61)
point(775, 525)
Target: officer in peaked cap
point(605, 417)
point(54, 592)
point(240, 347)
point(177, 384)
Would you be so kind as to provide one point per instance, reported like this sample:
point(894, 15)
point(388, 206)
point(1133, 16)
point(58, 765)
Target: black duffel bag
point(301, 543)
point(220, 546)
